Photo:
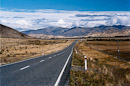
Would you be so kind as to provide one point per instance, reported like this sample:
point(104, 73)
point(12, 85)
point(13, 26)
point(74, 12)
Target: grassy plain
point(111, 48)
point(13, 50)
point(103, 68)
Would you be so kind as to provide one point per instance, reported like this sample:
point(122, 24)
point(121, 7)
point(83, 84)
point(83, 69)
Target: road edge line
point(62, 71)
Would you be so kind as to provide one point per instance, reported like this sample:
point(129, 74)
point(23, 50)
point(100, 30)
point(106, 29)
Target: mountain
point(43, 36)
point(7, 32)
point(100, 31)
point(110, 31)
point(59, 31)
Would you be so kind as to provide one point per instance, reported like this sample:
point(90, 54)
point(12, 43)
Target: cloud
point(61, 21)
point(83, 15)
point(22, 22)
point(119, 20)
point(3, 21)
point(18, 17)
point(36, 19)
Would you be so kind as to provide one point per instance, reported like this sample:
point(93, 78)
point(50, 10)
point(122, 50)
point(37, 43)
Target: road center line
point(24, 67)
point(42, 60)
point(50, 57)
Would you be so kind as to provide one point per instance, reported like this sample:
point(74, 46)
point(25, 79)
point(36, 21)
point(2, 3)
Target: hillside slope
point(7, 32)
point(111, 33)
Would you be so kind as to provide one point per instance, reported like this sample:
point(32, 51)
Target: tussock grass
point(110, 47)
point(103, 69)
point(13, 50)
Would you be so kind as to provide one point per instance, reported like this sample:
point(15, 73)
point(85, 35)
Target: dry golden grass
point(103, 69)
point(101, 57)
point(13, 50)
point(110, 47)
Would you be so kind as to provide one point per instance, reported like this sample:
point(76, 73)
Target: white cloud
point(22, 22)
point(61, 21)
point(36, 19)
point(119, 20)
point(4, 21)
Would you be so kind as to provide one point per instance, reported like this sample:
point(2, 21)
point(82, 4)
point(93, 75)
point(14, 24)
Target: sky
point(36, 14)
point(80, 5)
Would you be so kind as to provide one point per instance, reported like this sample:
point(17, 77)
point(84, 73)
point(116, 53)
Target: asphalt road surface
point(45, 70)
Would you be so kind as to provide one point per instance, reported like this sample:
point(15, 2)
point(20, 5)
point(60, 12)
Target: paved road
point(45, 70)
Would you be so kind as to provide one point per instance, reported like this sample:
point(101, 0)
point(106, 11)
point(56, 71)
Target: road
point(45, 70)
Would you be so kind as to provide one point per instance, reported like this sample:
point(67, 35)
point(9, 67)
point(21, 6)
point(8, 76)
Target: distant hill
point(59, 31)
point(7, 32)
point(100, 31)
point(43, 36)
point(111, 33)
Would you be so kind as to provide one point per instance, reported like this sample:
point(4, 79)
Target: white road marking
point(50, 57)
point(24, 67)
point(61, 73)
point(42, 60)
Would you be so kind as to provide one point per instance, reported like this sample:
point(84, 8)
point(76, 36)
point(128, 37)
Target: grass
point(13, 50)
point(110, 47)
point(103, 69)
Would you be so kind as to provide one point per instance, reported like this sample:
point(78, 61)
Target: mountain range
point(100, 31)
point(59, 32)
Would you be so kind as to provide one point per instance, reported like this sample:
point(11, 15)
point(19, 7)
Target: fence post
point(85, 61)
point(43, 53)
point(76, 51)
point(118, 49)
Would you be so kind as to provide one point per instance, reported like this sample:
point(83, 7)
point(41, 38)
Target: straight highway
point(48, 70)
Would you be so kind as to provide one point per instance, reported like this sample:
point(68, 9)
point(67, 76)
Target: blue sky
point(80, 5)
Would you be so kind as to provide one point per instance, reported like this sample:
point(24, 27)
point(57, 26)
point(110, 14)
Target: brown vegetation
point(111, 48)
point(13, 50)
point(103, 69)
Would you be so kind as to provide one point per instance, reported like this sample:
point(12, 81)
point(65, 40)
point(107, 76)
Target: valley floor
point(13, 50)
